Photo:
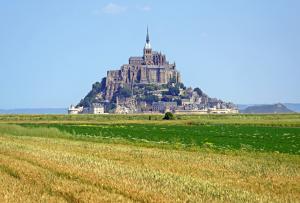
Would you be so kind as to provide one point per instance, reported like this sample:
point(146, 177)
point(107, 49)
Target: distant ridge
point(34, 111)
point(267, 108)
point(293, 106)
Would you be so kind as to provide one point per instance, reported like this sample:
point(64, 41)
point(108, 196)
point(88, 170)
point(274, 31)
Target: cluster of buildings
point(150, 69)
point(96, 108)
point(130, 107)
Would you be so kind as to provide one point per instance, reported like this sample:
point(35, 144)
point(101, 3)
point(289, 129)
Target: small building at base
point(163, 107)
point(74, 110)
point(95, 108)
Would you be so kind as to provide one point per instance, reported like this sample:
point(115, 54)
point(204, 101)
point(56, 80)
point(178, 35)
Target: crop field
point(259, 138)
point(141, 158)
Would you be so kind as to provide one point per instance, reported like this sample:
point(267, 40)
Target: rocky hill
point(143, 95)
point(267, 108)
point(146, 80)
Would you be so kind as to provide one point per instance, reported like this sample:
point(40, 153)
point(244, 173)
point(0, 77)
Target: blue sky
point(245, 51)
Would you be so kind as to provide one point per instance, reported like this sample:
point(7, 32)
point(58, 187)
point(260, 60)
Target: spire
point(147, 37)
point(147, 45)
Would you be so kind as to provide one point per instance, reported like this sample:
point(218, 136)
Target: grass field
point(286, 120)
point(226, 158)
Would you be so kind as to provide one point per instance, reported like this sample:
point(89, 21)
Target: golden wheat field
point(45, 165)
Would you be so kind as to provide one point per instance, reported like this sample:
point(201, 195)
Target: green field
point(259, 138)
point(129, 158)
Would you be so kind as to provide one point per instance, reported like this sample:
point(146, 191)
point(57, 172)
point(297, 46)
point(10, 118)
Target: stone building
point(97, 108)
point(152, 67)
point(164, 106)
point(74, 110)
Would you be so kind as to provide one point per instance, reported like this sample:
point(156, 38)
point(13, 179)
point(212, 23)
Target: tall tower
point(148, 57)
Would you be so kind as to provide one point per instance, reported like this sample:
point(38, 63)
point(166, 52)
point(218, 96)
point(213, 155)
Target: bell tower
point(148, 57)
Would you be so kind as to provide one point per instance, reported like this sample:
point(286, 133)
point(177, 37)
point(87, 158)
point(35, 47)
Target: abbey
point(147, 84)
point(151, 68)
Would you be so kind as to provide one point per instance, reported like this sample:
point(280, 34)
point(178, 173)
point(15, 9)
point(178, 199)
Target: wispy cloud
point(113, 8)
point(144, 8)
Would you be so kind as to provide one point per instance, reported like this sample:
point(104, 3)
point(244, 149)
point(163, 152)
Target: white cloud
point(144, 8)
point(113, 8)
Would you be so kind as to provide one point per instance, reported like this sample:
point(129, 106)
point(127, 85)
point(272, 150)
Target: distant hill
point(293, 106)
point(267, 108)
point(242, 107)
point(34, 111)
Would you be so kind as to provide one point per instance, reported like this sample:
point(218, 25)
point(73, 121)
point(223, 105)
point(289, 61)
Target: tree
point(124, 92)
point(179, 102)
point(181, 85)
point(168, 116)
point(151, 87)
point(167, 99)
point(174, 91)
point(172, 80)
point(97, 88)
point(199, 91)
point(151, 98)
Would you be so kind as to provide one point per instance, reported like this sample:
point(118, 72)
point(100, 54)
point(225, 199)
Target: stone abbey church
point(152, 67)
point(147, 84)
